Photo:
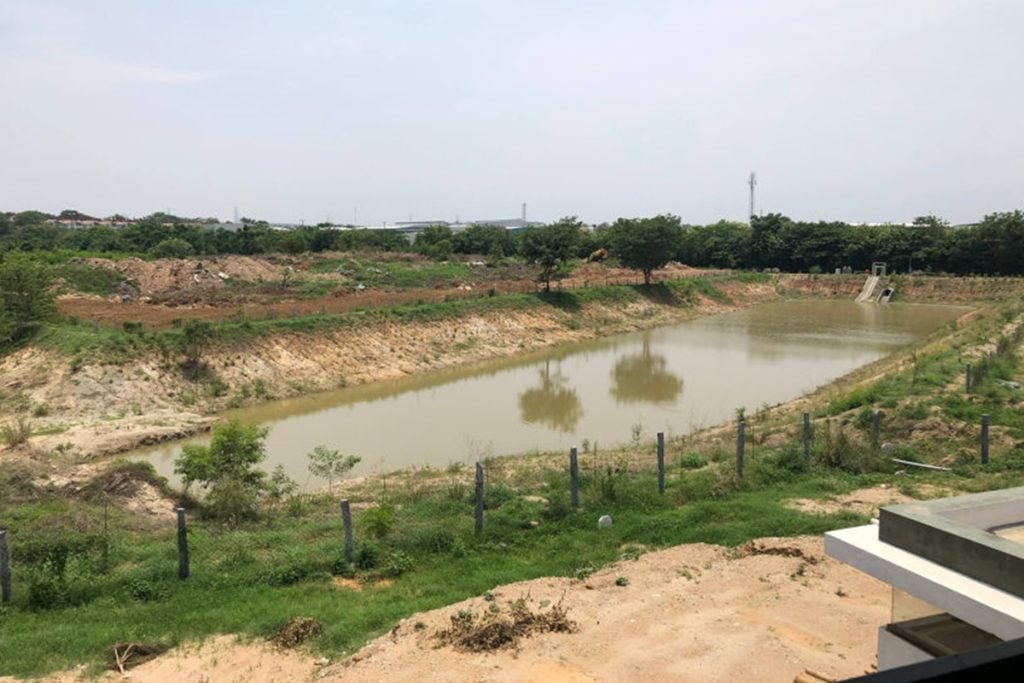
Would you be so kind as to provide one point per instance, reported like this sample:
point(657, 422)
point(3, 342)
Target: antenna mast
point(753, 185)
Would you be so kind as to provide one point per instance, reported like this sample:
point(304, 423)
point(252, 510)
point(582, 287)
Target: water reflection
point(595, 390)
point(552, 403)
point(642, 378)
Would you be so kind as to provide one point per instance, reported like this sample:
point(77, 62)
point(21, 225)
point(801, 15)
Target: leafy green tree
point(195, 336)
point(226, 470)
point(329, 464)
point(26, 219)
point(646, 244)
point(26, 300)
point(550, 247)
point(491, 240)
point(292, 243)
point(767, 240)
point(173, 248)
point(435, 241)
point(998, 240)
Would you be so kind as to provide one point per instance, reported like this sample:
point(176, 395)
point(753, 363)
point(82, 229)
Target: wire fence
point(75, 566)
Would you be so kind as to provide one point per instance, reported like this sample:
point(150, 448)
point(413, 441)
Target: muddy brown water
point(605, 392)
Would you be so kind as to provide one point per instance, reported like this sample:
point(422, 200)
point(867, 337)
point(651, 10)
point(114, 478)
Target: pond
point(605, 392)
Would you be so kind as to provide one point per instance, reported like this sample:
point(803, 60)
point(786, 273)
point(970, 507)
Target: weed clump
point(495, 629)
point(296, 631)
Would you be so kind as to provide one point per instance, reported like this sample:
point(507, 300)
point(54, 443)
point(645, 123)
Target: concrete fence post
point(807, 437)
point(876, 425)
point(741, 440)
point(661, 462)
point(183, 568)
point(574, 477)
point(984, 439)
point(5, 568)
point(346, 521)
point(478, 510)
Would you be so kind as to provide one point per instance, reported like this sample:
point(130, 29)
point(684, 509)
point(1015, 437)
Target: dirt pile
point(690, 613)
point(163, 276)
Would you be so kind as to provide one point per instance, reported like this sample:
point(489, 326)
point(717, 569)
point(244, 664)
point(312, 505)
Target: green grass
point(81, 277)
point(250, 580)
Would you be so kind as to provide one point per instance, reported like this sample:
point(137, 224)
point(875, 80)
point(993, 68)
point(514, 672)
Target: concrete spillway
point(871, 286)
point(868, 291)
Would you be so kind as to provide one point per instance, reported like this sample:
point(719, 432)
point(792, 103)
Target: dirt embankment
point(157, 293)
point(92, 410)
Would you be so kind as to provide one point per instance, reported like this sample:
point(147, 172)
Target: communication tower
point(753, 186)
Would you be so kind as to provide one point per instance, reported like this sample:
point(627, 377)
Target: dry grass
point(496, 629)
point(17, 432)
point(296, 631)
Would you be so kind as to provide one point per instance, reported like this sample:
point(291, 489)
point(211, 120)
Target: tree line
point(929, 244)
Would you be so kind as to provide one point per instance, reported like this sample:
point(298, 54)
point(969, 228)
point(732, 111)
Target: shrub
point(395, 564)
point(692, 461)
point(16, 432)
point(497, 495)
point(329, 464)
point(367, 556)
point(175, 247)
point(379, 520)
point(26, 299)
point(436, 540)
point(227, 470)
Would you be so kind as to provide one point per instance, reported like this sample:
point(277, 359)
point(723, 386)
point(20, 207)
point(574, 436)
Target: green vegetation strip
point(93, 342)
point(122, 587)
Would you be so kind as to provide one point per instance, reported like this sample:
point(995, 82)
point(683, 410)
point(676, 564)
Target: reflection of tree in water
point(642, 378)
point(552, 403)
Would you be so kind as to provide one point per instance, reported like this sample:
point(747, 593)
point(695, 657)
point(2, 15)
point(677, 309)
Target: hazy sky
point(860, 110)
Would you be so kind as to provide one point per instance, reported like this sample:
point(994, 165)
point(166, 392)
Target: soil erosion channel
point(605, 392)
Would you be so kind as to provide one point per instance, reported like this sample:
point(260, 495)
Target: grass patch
point(122, 583)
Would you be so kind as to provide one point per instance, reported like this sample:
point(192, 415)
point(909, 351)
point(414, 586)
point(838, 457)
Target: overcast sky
point(859, 110)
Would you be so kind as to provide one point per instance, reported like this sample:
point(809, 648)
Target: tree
point(490, 240)
point(328, 464)
point(292, 243)
point(195, 335)
point(646, 244)
point(26, 300)
point(550, 247)
point(173, 248)
point(998, 243)
point(227, 470)
point(434, 241)
point(767, 240)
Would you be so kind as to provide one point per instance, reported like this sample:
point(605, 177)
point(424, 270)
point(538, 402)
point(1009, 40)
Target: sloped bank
point(95, 404)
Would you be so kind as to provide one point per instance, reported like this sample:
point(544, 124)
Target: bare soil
point(97, 410)
point(166, 290)
point(764, 612)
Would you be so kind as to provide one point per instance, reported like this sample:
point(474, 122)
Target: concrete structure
point(956, 568)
